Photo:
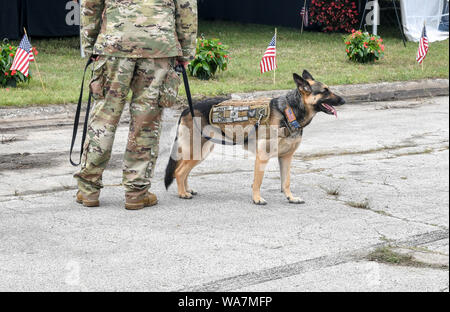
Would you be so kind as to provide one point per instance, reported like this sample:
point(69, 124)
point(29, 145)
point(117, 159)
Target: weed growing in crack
point(388, 256)
point(360, 205)
point(331, 192)
point(6, 140)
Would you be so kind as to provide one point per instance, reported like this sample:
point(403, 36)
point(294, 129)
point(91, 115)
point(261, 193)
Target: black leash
point(77, 117)
point(181, 69)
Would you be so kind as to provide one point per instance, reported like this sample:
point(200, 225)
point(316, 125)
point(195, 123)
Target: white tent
point(416, 12)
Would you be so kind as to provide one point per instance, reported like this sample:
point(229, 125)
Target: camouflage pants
point(112, 81)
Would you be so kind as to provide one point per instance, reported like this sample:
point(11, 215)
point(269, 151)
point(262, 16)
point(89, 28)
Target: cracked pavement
point(377, 176)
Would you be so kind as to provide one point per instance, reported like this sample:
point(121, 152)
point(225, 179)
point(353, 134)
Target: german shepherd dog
point(309, 98)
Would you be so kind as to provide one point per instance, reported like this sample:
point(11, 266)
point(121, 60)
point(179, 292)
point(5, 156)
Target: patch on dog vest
point(291, 117)
point(240, 112)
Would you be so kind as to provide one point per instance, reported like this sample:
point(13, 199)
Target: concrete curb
point(62, 115)
point(374, 92)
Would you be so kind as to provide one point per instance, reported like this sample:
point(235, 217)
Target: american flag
point(24, 55)
point(269, 60)
point(423, 46)
point(305, 16)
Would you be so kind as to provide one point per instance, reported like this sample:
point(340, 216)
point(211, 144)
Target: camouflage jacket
point(139, 28)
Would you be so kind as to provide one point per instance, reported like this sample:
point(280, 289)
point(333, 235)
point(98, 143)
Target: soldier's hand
point(183, 63)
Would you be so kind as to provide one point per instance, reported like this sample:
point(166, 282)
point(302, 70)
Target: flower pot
point(11, 83)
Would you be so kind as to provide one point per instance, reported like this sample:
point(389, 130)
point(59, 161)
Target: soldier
point(135, 45)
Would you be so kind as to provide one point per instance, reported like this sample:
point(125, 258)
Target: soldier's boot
point(91, 200)
point(137, 203)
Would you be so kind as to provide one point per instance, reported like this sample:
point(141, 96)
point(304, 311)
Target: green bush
point(364, 47)
point(10, 78)
point(211, 56)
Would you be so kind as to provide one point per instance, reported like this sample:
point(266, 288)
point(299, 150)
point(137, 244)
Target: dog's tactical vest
point(242, 113)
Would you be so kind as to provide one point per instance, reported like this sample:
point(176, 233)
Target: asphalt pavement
point(375, 179)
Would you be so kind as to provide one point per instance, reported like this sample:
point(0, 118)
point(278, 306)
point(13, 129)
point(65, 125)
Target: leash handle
point(180, 68)
point(77, 118)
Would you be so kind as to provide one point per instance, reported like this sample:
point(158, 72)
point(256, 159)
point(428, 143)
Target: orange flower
point(382, 47)
point(11, 54)
point(13, 73)
point(6, 74)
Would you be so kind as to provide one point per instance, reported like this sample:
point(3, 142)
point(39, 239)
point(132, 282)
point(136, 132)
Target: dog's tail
point(172, 165)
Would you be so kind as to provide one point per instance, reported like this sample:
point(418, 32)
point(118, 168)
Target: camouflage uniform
point(138, 42)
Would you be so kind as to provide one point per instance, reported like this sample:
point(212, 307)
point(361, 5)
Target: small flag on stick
point(423, 46)
point(304, 13)
point(305, 16)
point(269, 60)
point(24, 55)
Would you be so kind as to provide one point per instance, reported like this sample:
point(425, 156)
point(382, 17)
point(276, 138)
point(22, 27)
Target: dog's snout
point(341, 101)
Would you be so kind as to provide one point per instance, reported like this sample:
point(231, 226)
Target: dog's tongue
point(331, 109)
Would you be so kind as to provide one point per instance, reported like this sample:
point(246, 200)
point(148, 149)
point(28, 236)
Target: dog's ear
point(302, 84)
point(306, 75)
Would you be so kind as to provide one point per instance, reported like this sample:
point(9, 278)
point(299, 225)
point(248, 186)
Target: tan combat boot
point(88, 200)
point(147, 200)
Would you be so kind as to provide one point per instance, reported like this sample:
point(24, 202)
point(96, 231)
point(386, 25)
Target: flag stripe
point(423, 46)
point(268, 61)
point(23, 57)
point(22, 62)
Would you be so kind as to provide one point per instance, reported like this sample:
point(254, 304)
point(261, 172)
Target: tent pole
point(363, 15)
point(399, 23)
point(376, 18)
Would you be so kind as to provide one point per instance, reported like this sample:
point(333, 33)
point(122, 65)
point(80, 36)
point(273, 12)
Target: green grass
point(388, 256)
point(322, 54)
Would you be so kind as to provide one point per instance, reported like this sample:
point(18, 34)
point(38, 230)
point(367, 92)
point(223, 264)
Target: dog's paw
point(192, 192)
point(260, 202)
point(296, 200)
point(185, 196)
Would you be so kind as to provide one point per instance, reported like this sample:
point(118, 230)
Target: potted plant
point(10, 78)
point(211, 56)
point(364, 47)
